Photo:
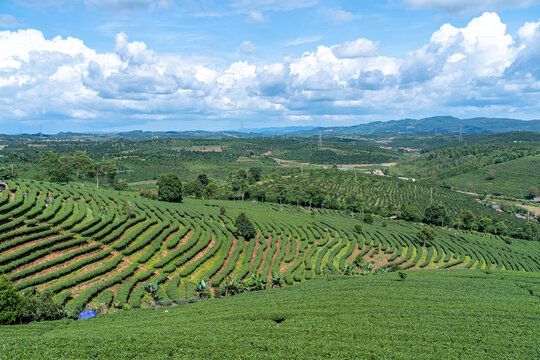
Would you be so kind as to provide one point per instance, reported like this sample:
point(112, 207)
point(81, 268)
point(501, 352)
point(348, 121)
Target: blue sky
point(115, 65)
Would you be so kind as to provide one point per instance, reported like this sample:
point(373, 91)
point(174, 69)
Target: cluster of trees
point(33, 306)
point(64, 168)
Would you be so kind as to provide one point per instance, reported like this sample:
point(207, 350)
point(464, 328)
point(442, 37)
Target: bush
point(147, 193)
point(40, 306)
point(11, 302)
point(245, 227)
point(358, 228)
point(508, 240)
point(222, 210)
point(169, 188)
point(402, 275)
point(368, 218)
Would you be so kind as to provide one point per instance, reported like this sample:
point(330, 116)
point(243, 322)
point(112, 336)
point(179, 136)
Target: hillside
point(433, 314)
point(513, 178)
point(439, 124)
point(88, 245)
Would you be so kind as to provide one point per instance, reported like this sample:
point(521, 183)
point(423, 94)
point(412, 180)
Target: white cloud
point(304, 40)
point(462, 7)
point(478, 69)
point(255, 17)
point(340, 16)
point(248, 48)
point(357, 48)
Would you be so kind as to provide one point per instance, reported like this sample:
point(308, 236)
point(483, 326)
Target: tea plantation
point(432, 314)
point(101, 246)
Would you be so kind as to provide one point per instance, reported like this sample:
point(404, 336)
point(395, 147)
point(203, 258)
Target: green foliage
point(169, 188)
point(39, 306)
point(152, 289)
point(11, 303)
point(410, 213)
point(358, 228)
point(245, 227)
point(402, 275)
point(435, 213)
point(426, 234)
point(368, 218)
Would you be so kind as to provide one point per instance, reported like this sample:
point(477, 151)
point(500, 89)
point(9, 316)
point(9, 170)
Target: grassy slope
point(512, 178)
point(452, 314)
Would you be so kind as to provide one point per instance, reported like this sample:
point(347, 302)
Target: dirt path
point(208, 262)
point(200, 254)
point(285, 267)
point(276, 253)
point(228, 259)
point(265, 254)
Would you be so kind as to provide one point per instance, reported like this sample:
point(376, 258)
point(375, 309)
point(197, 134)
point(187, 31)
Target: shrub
point(245, 227)
point(508, 240)
point(222, 210)
point(402, 275)
point(147, 193)
point(11, 302)
point(358, 228)
point(40, 306)
point(384, 223)
point(368, 218)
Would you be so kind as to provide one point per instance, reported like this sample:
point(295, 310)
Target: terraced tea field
point(88, 245)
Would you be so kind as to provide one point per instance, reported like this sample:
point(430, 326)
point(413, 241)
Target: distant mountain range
point(437, 124)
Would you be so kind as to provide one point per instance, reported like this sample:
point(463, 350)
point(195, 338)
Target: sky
point(120, 65)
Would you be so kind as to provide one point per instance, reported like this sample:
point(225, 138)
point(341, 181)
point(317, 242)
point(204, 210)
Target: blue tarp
point(87, 314)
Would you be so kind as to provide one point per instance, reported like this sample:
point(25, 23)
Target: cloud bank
point(478, 69)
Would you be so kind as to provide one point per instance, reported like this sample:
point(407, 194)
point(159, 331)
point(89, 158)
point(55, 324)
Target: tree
point(121, 184)
point(533, 192)
point(110, 170)
point(245, 227)
point(169, 188)
point(491, 174)
point(11, 302)
point(410, 213)
point(203, 180)
point(6, 174)
point(435, 213)
point(41, 306)
point(426, 234)
point(82, 164)
point(501, 228)
point(358, 228)
point(210, 191)
point(98, 170)
point(485, 224)
point(49, 162)
point(468, 219)
point(254, 174)
point(368, 218)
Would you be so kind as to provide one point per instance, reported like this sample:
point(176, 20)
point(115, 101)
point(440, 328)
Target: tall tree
point(169, 188)
point(82, 164)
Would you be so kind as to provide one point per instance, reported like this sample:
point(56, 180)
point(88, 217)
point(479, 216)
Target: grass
point(433, 314)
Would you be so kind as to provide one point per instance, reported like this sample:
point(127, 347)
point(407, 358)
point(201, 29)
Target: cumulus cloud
point(477, 69)
point(462, 7)
point(358, 48)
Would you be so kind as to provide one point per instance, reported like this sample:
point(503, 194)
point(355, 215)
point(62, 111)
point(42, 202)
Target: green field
point(84, 247)
point(512, 178)
point(437, 314)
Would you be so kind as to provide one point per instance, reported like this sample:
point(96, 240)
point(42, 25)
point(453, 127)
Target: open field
point(437, 314)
